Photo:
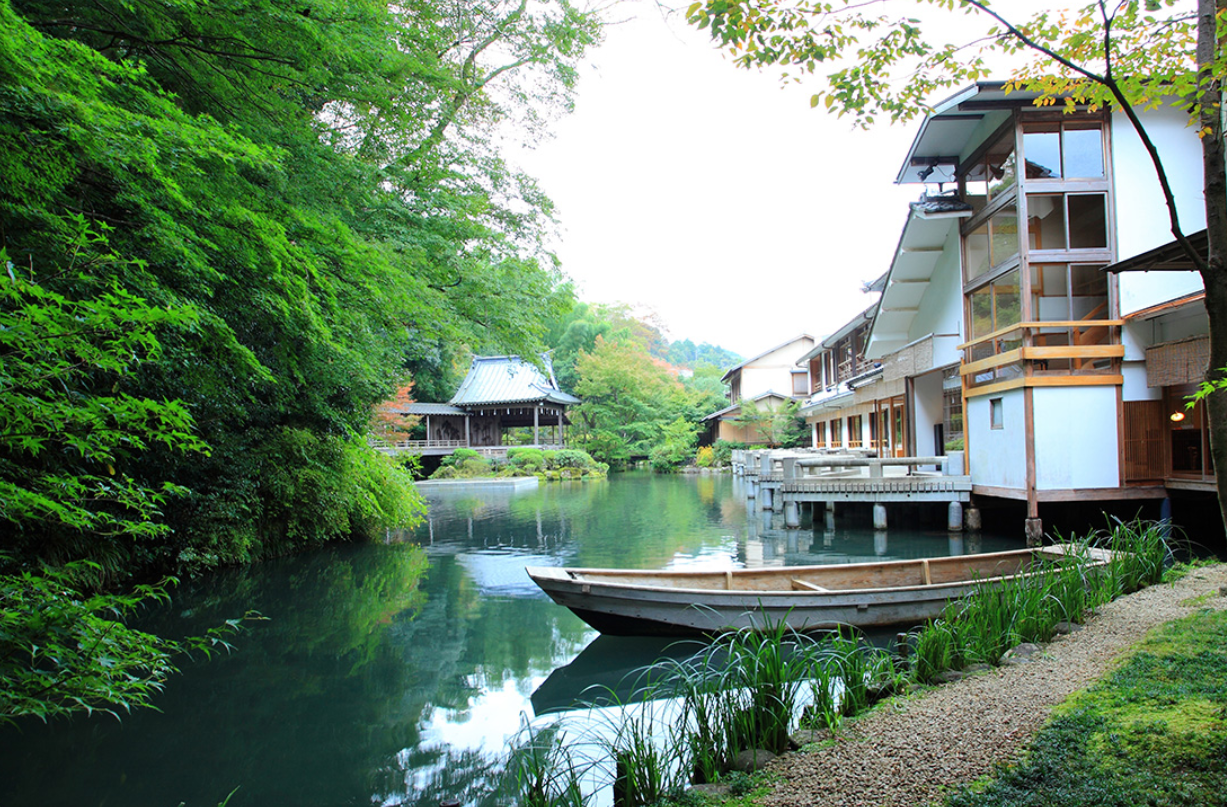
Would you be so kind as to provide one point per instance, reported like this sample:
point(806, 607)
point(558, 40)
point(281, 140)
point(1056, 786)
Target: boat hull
point(624, 603)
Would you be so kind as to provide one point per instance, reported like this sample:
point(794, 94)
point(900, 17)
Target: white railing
point(420, 445)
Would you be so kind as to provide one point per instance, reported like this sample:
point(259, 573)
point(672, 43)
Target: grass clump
point(995, 616)
point(1152, 732)
point(541, 771)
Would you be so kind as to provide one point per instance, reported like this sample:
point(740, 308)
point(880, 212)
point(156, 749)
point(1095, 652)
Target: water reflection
point(378, 680)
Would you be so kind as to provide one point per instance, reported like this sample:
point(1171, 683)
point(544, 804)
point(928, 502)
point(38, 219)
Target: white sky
point(715, 198)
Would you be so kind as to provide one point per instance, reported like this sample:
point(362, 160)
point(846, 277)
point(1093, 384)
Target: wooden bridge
point(782, 480)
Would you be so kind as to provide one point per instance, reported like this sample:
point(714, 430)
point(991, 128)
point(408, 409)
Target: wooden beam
point(1066, 323)
point(1074, 352)
point(980, 365)
point(1103, 494)
point(989, 389)
point(1047, 381)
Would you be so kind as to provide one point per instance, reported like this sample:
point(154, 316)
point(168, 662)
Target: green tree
point(71, 485)
point(627, 399)
point(710, 393)
point(778, 425)
point(73, 434)
point(316, 183)
point(676, 446)
point(1128, 55)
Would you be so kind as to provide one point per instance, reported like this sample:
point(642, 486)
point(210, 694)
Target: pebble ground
point(913, 750)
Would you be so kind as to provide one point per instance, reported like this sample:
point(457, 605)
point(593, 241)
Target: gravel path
point(910, 752)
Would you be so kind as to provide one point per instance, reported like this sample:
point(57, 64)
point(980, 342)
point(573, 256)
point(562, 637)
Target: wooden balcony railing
point(1050, 353)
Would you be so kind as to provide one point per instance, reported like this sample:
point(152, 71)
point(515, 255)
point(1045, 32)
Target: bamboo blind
point(1174, 363)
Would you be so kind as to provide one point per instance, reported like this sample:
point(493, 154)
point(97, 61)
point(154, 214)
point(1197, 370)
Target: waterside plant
point(982, 626)
point(748, 690)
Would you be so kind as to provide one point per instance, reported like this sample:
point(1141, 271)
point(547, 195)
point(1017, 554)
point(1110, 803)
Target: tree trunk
point(1214, 275)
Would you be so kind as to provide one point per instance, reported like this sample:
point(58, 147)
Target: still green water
point(395, 674)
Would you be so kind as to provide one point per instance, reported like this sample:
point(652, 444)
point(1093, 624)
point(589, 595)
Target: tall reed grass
point(997, 616)
point(542, 771)
point(690, 719)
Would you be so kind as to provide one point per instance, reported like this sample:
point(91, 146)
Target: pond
point(396, 674)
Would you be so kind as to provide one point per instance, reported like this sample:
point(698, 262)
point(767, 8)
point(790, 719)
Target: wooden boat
point(623, 602)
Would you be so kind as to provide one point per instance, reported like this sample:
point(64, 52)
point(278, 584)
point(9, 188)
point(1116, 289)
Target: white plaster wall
point(941, 308)
point(1135, 388)
point(997, 457)
point(928, 413)
point(1182, 324)
point(1076, 432)
point(1142, 221)
point(1136, 336)
point(772, 372)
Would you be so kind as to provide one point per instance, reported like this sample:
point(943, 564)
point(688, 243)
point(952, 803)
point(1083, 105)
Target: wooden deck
point(781, 480)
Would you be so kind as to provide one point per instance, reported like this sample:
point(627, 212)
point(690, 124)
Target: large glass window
point(1064, 150)
point(1046, 221)
point(1062, 292)
point(996, 305)
point(992, 175)
point(992, 243)
point(1082, 147)
point(1088, 221)
point(1074, 221)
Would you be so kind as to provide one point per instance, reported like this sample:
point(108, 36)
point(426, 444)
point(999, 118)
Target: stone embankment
point(912, 750)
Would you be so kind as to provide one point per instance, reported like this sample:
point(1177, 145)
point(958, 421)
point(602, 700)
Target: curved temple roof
point(509, 379)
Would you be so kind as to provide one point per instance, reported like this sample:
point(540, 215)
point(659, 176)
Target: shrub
point(444, 472)
point(723, 450)
point(668, 457)
point(567, 458)
point(474, 466)
point(705, 457)
point(529, 459)
point(458, 457)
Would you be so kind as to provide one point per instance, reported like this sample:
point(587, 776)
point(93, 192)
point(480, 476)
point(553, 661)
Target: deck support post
point(879, 516)
point(764, 498)
point(1034, 528)
point(751, 487)
point(792, 516)
point(828, 519)
point(954, 517)
point(971, 519)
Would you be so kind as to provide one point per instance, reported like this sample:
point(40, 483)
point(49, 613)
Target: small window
point(995, 417)
point(855, 435)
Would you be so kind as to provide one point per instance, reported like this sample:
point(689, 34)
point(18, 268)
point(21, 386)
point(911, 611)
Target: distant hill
point(685, 353)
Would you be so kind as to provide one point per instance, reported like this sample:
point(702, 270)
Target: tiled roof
point(417, 408)
point(509, 379)
point(941, 204)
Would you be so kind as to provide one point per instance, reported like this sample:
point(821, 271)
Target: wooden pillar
point(468, 442)
point(428, 430)
point(536, 424)
point(1034, 527)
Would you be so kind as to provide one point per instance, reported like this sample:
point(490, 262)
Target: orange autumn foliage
point(391, 421)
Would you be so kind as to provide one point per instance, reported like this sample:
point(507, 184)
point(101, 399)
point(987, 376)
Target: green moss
point(1152, 732)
